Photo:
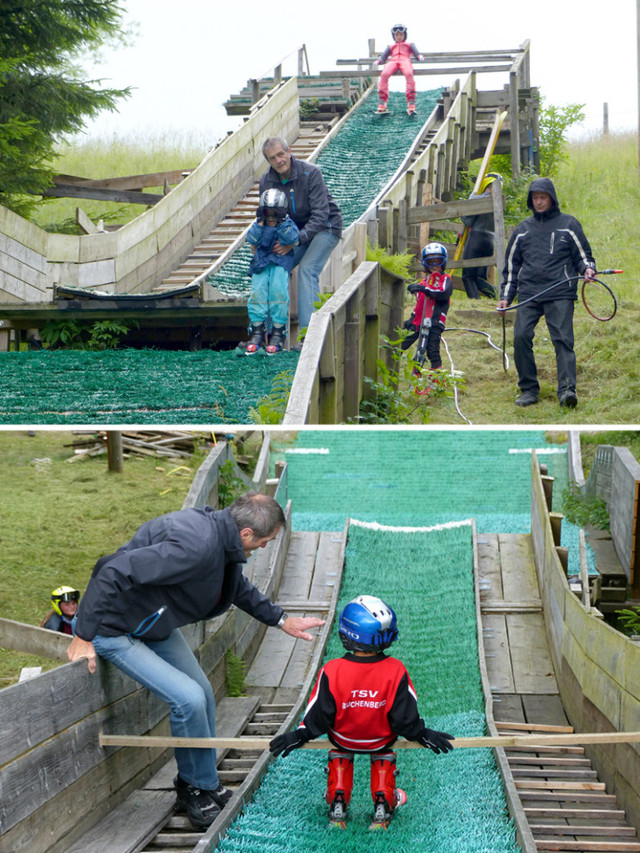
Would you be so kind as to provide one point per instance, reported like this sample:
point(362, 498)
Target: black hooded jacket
point(544, 249)
point(177, 568)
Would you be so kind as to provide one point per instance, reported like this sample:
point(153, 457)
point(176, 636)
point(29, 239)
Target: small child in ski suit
point(363, 700)
point(432, 303)
point(399, 55)
point(268, 304)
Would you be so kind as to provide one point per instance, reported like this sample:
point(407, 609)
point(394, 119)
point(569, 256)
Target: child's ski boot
point(257, 332)
point(276, 340)
point(386, 797)
point(339, 786)
point(338, 812)
point(382, 108)
point(411, 108)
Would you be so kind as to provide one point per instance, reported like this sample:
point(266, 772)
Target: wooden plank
point(587, 846)
point(457, 743)
point(496, 652)
point(570, 814)
point(581, 829)
point(497, 606)
point(532, 667)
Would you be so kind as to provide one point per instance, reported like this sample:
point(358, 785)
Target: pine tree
point(42, 93)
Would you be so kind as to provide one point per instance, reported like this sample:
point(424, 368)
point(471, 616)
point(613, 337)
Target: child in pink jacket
point(399, 60)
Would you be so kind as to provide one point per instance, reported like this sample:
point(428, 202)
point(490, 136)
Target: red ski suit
point(399, 55)
point(363, 703)
point(440, 288)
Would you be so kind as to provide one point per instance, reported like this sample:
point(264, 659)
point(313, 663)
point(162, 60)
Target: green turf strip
point(135, 386)
point(356, 164)
point(455, 802)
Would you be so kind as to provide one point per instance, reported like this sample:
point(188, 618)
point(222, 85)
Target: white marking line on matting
point(538, 450)
point(374, 525)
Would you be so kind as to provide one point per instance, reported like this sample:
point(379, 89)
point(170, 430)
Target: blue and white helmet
point(367, 624)
point(435, 252)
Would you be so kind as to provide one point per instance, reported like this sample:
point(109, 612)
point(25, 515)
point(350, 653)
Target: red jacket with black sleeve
point(434, 304)
point(363, 703)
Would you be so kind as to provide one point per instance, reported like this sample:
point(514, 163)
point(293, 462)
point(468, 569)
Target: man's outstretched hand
point(297, 626)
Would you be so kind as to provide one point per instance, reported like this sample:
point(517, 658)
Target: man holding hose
point(549, 252)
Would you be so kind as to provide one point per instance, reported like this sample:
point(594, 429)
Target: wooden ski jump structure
point(154, 269)
point(562, 702)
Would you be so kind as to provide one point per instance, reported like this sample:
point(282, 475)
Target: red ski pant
point(402, 64)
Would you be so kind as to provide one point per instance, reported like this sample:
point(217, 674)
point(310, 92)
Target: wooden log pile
point(162, 443)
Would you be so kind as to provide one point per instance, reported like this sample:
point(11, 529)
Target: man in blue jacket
point(180, 568)
point(312, 208)
point(546, 249)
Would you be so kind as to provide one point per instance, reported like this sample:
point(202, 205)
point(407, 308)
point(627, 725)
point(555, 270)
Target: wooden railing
point(54, 776)
point(596, 666)
point(342, 347)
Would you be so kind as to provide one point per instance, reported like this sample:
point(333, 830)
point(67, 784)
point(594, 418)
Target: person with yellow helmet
point(480, 243)
point(64, 600)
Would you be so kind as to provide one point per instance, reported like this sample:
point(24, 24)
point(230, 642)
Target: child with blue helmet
point(363, 701)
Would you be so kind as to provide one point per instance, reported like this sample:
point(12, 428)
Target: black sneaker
point(221, 795)
point(569, 400)
point(528, 398)
point(200, 806)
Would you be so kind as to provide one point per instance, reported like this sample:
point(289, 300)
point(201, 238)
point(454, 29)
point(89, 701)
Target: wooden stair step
point(575, 774)
point(590, 846)
point(576, 814)
point(581, 829)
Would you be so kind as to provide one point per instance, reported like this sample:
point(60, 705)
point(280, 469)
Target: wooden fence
point(342, 347)
point(597, 668)
point(55, 779)
point(614, 477)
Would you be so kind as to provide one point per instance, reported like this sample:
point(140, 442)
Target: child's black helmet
point(273, 202)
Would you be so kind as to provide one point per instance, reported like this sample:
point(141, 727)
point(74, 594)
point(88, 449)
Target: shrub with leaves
point(584, 511)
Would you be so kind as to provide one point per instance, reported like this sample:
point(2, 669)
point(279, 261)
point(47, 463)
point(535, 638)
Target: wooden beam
point(245, 743)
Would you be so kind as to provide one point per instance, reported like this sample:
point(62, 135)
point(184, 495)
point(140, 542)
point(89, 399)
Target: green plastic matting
point(456, 801)
point(356, 164)
point(423, 477)
point(136, 386)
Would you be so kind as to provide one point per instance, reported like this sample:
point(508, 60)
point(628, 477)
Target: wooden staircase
point(240, 217)
point(567, 807)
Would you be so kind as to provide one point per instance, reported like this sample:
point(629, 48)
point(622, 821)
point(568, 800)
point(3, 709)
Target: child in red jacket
point(399, 56)
point(428, 320)
point(363, 700)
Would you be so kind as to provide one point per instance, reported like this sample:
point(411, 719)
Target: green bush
point(584, 511)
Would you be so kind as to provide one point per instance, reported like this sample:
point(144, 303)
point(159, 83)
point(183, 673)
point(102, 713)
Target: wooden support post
point(114, 451)
point(563, 556)
point(547, 486)
point(402, 226)
point(277, 75)
point(498, 228)
point(254, 86)
point(514, 124)
point(556, 525)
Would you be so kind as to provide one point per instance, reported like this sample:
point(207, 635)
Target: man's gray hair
point(261, 513)
point(272, 141)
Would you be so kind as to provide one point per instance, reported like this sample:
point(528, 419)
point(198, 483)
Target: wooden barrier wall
point(597, 668)
point(139, 254)
point(56, 781)
point(342, 347)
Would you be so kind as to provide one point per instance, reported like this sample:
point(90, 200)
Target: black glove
point(416, 287)
point(410, 339)
point(437, 741)
point(409, 324)
point(284, 744)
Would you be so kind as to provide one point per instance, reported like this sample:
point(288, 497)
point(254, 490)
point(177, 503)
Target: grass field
point(59, 516)
point(599, 185)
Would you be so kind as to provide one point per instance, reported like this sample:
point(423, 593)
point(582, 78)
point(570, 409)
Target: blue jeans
point(269, 300)
point(310, 260)
point(169, 669)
